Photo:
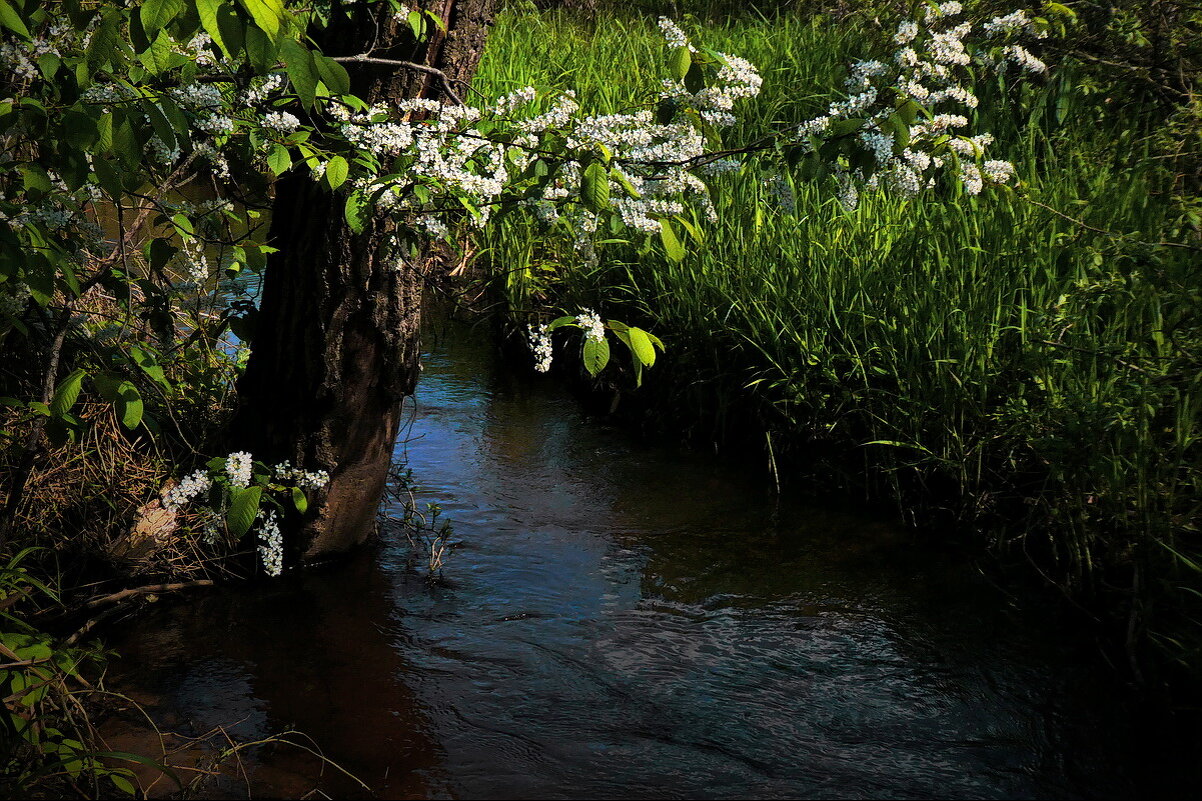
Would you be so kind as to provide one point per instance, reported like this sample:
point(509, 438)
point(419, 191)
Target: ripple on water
point(626, 621)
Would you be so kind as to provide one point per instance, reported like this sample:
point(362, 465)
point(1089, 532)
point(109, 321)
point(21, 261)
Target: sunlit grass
point(1034, 375)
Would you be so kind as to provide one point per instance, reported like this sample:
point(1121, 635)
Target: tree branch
point(364, 58)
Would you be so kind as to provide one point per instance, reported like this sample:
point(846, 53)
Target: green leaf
point(149, 365)
point(333, 74)
point(176, 116)
point(696, 233)
point(665, 110)
point(844, 127)
point(103, 46)
point(233, 28)
point(694, 79)
point(594, 187)
point(137, 33)
point(279, 160)
point(104, 133)
point(123, 784)
point(36, 181)
point(49, 64)
point(901, 132)
point(183, 224)
point(560, 322)
point(358, 210)
point(108, 385)
point(109, 177)
point(244, 507)
point(129, 405)
point(79, 130)
point(262, 51)
point(141, 760)
point(10, 19)
point(672, 246)
point(67, 392)
point(416, 24)
point(624, 182)
point(39, 278)
point(437, 20)
point(157, 58)
point(679, 63)
point(267, 14)
point(299, 62)
point(595, 355)
point(207, 10)
point(299, 500)
point(336, 172)
point(640, 345)
point(74, 168)
point(126, 145)
point(1060, 9)
point(69, 277)
point(155, 14)
point(162, 127)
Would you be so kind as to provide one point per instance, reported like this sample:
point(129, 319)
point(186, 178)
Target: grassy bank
point(1029, 368)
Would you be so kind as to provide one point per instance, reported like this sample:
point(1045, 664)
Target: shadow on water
point(310, 654)
point(629, 621)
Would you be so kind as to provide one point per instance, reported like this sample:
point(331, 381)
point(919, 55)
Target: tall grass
point(1036, 379)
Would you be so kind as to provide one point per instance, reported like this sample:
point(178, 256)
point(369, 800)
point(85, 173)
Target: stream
point(625, 620)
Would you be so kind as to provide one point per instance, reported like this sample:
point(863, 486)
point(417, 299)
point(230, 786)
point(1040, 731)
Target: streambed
point(621, 620)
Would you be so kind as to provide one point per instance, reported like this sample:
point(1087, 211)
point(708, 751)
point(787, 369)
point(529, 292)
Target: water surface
point(621, 620)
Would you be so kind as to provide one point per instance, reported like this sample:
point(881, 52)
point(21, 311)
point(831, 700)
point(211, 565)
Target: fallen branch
point(117, 597)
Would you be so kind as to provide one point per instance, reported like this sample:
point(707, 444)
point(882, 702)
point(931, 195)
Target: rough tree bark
point(336, 344)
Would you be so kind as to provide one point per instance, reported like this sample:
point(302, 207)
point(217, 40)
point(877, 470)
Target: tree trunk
point(336, 348)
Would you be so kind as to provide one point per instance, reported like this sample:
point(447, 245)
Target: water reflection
point(629, 621)
point(310, 655)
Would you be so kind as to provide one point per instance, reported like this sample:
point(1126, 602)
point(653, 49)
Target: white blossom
point(906, 31)
point(998, 172)
point(970, 176)
point(263, 88)
point(849, 195)
point(188, 488)
point(305, 479)
point(673, 35)
point(271, 544)
point(238, 468)
point(1009, 24)
point(1023, 58)
point(540, 344)
point(281, 121)
point(591, 323)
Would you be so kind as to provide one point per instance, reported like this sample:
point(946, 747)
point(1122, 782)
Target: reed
point(1034, 378)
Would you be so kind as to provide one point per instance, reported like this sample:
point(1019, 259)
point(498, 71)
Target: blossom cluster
point(649, 161)
point(206, 114)
point(305, 479)
point(186, 490)
point(540, 344)
point(539, 336)
point(12, 302)
point(271, 543)
point(590, 322)
point(19, 57)
point(927, 72)
point(238, 467)
point(237, 471)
